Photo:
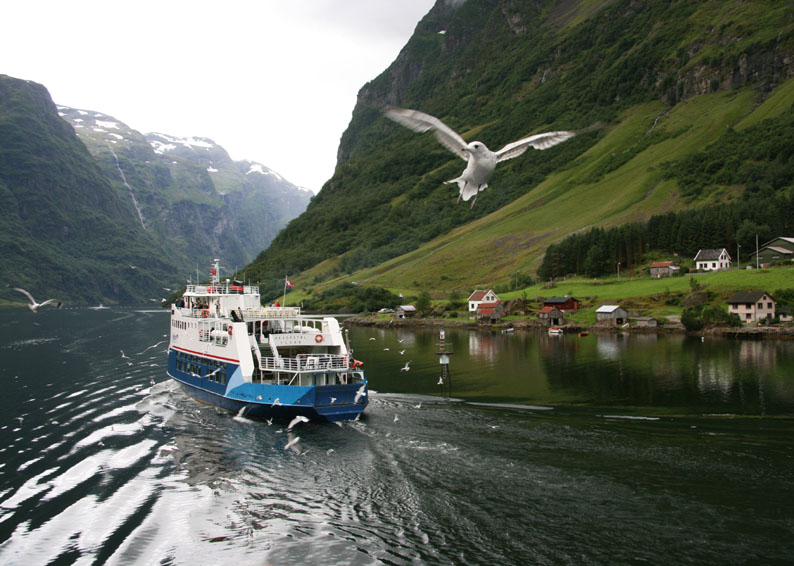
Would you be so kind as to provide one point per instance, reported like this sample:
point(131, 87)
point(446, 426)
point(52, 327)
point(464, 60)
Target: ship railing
point(271, 313)
point(306, 363)
point(221, 289)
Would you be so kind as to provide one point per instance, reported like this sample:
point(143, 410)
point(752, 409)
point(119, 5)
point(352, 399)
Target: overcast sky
point(274, 82)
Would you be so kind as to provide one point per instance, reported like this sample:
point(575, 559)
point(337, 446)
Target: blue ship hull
point(322, 402)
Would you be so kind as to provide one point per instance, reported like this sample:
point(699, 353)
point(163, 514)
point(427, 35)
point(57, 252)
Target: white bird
point(407, 366)
point(123, 355)
point(292, 442)
point(371, 338)
point(385, 349)
point(419, 406)
point(440, 381)
point(333, 400)
point(481, 160)
point(396, 418)
point(402, 352)
point(33, 305)
point(360, 393)
point(297, 420)
point(276, 402)
point(150, 347)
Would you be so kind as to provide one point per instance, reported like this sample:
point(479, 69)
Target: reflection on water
point(596, 450)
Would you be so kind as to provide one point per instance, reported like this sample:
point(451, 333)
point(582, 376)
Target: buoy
point(318, 338)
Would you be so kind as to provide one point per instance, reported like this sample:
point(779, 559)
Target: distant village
point(752, 308)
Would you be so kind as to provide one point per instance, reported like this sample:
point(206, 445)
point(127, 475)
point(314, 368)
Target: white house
point(712, 260)
point(752, 306)
point(480, 296)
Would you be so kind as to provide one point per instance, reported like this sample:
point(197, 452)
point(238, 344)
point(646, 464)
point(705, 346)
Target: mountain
point(189, 192)
point(109, 215)
point(65, 231)
point(660, 81)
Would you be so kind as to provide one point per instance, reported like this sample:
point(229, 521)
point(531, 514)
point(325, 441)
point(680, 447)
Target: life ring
point(230, 330)
point(318, 338)
point(205, 314)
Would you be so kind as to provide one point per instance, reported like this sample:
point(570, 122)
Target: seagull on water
point(407, 366)
point(481, 160)
point(33, 305)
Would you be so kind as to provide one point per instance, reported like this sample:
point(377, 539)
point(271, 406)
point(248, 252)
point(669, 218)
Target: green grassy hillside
point(664, 79)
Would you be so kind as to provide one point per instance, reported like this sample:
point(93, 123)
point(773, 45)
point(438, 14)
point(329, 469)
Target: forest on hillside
point(759, 158)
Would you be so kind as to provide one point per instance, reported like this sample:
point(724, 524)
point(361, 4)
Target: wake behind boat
point(228, 350)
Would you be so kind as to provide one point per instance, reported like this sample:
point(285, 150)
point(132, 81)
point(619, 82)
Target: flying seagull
point(360, 393)
point(407, 366)
point(297, 420)
point(33, 305)
point(481, 160)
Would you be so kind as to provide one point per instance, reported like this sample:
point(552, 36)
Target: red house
point(562, 303)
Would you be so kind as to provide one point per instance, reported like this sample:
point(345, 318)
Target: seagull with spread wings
point(33, 305)
point(481, 161)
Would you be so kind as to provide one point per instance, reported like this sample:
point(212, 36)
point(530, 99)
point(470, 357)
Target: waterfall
point(124, 180)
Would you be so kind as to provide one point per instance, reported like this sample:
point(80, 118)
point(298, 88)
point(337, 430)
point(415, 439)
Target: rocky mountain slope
point(189, 191)
point(65, 231)
point(110, 215)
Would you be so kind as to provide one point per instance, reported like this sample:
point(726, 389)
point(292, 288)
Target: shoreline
point(780, 332)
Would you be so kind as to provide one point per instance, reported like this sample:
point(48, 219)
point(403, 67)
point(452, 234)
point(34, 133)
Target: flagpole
point(284, 299)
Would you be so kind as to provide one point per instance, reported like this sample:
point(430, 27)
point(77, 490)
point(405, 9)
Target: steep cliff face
point(65, 230)
point(498, 70)
point(108, 215)
point(189, 192)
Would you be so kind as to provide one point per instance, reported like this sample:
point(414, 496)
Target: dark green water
point(607, 449)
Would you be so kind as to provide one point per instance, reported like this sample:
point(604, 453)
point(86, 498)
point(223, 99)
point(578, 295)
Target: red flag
point(212, 271)
point(289, 284)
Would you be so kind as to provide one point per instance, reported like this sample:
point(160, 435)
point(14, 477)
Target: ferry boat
point(228, 350)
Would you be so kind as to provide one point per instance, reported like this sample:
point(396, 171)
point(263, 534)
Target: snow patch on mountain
point(254, 167)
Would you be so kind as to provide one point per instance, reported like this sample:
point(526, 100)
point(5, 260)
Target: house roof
point(488, 308)
point(478, 294)
point(706, 255)
point(407, 307)
point(608, 308)
point(662, 264)
point(557, 300)
point(779, 250)
point(746, 297)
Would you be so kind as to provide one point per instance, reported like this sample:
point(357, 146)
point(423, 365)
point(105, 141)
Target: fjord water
point(605, 449)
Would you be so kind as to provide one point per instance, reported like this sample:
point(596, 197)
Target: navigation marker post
point(444, 352)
